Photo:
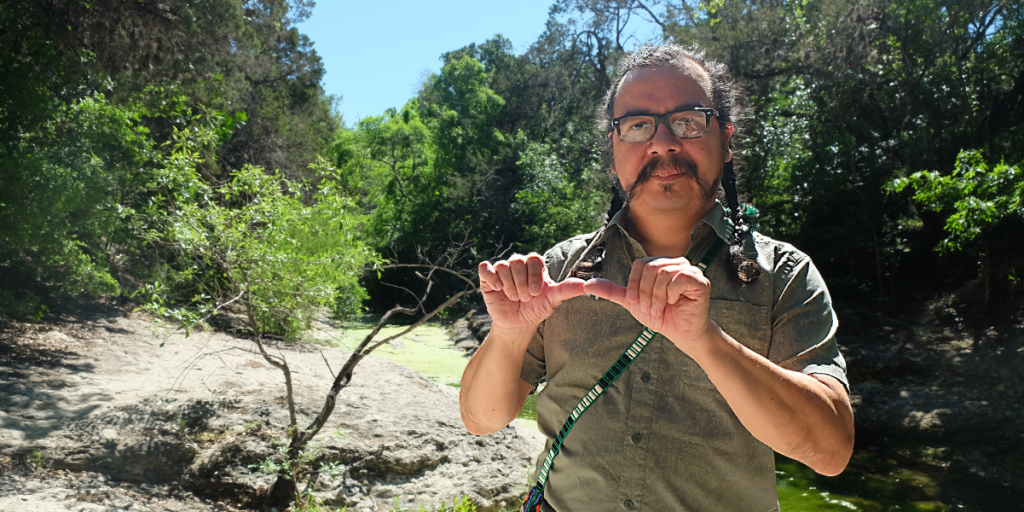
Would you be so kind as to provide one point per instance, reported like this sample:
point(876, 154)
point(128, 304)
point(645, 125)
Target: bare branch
point(327, 363)
point(653, 16)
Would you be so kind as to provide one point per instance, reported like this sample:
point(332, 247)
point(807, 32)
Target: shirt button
point(628, 504)
point(636, 438)
point(646, 376)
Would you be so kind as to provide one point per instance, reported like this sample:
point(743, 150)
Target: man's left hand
point(668, 295)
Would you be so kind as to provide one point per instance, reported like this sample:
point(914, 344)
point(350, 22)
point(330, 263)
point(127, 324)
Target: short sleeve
point(534, 370)
point(803, 321)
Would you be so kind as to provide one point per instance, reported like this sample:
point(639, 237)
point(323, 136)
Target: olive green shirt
point(662, 438)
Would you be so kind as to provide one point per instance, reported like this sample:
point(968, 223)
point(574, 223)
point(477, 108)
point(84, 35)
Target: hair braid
point(744, 268)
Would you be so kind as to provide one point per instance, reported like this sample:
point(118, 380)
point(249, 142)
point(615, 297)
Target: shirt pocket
point(747, 323)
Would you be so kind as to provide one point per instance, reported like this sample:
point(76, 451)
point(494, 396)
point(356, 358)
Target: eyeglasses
point(684, 124)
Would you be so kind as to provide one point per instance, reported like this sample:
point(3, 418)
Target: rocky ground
point(938, 387)
point(100, 412)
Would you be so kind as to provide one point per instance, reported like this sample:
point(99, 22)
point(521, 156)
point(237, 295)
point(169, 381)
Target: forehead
point(661, 89)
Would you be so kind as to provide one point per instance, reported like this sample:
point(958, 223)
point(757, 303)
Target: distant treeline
point(885, 140)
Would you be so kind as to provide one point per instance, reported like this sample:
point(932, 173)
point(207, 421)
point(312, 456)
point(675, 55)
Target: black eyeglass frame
point(663, 118)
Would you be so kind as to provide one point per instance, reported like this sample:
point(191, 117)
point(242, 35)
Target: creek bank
point(114, 421)
point(937, 391)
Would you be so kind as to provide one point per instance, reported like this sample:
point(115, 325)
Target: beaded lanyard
point(536, 497)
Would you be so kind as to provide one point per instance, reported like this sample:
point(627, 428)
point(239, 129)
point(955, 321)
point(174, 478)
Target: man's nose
point(664, 141)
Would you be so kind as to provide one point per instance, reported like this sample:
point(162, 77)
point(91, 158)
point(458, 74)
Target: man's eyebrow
point(641, 112)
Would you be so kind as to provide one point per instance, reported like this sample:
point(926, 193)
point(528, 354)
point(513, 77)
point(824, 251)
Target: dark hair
point(731, 102)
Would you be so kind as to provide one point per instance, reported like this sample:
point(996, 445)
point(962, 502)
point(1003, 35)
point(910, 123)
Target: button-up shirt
point(662, 438)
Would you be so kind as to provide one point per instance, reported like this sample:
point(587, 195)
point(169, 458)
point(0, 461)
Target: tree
point(89, 95)
point(565, 191)
point(983, 203)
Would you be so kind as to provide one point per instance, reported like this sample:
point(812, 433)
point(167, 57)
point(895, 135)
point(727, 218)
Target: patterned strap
point(613, 373)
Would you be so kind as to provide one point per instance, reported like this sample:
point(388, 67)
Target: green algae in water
point(433, 356)
point(880, 480)
point(427, 350)
point(801, 489)
point(529, 411)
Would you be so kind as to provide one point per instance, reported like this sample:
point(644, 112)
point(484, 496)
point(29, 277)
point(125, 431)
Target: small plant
point(183, 430)
point(289, 468)
point(35, 461)
point(308, 502)
point(463, 504)
point(208, 436)
point(25, 309)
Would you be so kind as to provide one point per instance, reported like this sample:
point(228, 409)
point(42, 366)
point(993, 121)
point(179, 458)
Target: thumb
point(567, 289)
point(608, 290)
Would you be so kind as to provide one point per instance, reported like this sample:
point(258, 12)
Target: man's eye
point(638, 125)
point(684, 122)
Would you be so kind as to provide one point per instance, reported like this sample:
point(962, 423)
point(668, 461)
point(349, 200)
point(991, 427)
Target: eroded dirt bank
point(96, 415)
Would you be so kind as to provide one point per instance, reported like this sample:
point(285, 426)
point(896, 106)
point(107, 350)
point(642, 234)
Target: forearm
point(492, 392)
point(797, 415)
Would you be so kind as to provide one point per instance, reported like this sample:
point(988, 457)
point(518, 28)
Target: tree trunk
point(282, 493)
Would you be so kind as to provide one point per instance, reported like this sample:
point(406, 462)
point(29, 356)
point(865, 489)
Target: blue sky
point(377, 53)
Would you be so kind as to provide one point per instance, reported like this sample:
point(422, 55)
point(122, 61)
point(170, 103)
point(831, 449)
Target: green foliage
point(306, 501)
point(33, 458)
point(565, 193)
point(977, 197)
point(274, 249)
point(461, 504)
point(27, 308)
point(63, 191)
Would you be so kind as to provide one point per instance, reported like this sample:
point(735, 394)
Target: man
point(745, 361)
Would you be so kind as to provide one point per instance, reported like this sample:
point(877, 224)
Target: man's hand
point(520, 294)
point(668, 295)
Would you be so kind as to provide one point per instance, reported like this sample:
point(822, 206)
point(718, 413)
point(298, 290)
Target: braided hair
point(730, 101)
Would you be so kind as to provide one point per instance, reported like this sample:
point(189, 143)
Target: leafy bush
point(978, 197)
point(62, 193)
point(274, 249)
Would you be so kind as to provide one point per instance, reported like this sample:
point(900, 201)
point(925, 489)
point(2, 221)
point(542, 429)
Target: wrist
point(706, 343)
point(516, 336)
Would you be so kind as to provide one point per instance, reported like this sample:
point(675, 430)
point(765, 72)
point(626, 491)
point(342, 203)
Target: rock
point(470, 331)
point(480, 324)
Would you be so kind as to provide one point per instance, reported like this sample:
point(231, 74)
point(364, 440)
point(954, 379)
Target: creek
point(878, 478)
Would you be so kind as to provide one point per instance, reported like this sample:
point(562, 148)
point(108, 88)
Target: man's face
point(683, 173)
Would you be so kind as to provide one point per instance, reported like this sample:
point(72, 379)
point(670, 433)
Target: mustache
point(677, 163)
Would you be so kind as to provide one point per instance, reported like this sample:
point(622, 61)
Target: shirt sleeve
point(803, 321)
point(534, 369)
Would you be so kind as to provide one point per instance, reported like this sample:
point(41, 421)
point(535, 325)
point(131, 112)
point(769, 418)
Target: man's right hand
point(520, 294)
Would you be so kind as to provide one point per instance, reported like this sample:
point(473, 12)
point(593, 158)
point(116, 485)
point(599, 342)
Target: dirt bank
point(96, 415)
